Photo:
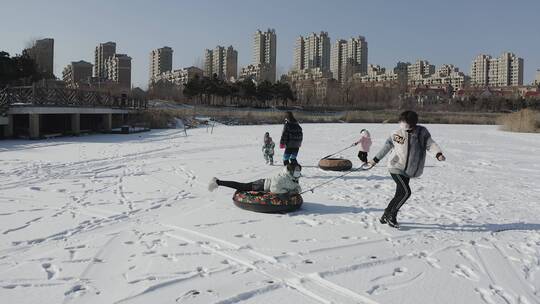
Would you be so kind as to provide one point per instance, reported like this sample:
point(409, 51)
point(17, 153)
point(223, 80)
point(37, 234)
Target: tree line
point(218, 92)
point(19, 70)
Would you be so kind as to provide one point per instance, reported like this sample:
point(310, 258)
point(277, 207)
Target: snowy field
point(128, 219)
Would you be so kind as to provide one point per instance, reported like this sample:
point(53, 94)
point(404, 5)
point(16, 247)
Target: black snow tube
point(335, 164)
point(267, 202)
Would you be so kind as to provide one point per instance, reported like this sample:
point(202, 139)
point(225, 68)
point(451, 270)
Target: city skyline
point(456, 42)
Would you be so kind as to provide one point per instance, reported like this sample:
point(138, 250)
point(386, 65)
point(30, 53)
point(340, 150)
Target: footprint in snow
point(190, 294)
point(247, 236)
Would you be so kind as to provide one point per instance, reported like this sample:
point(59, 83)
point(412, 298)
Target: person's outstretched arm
point(388, 146)
point(434, 148)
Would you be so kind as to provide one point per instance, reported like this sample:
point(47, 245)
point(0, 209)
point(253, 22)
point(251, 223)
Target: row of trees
point(215, 91)
point(18, 70)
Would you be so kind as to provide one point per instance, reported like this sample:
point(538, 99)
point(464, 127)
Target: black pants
point(362, 156)
point(403, 192)
point(257, 185)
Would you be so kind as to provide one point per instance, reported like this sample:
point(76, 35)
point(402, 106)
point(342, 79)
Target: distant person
point(408, 145)
point(291, 139)
point(287, 181)
point(365, 145)
point(268, 149)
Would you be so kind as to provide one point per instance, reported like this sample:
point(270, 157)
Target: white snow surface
point(128, 219)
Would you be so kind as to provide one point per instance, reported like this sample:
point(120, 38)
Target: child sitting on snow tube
point(285, 182)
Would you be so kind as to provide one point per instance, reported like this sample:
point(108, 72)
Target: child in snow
point(408, 145)
point(365, 144)
point(291, 139)
point(285, 182)
point(268, 149)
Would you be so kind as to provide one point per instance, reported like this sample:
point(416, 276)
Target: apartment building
point(258, 72)
point(118, 70)
point(264, 54)
point(222, 62)
point(377, 74)
point(506, 70)
point(537, 80)
point(349, 57)
point(446, 75)
point(181, 76)
point(312, 52)
point(160, 62)
point(77, 73)
point(419, 70)
point(42, 52)
point(103, 52)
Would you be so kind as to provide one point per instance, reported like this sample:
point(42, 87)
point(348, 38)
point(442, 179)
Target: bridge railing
point(64, 97)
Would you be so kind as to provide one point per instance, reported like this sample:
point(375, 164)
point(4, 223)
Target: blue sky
point(452, 31)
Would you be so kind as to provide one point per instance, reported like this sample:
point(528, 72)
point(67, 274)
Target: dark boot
point(392, 222)
point(384, 218)
point(286, 162)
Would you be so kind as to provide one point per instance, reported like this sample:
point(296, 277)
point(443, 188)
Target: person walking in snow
point(365, 145)
point(291, 139)
point(408, 145)
point(287, 181)
point(268, 149)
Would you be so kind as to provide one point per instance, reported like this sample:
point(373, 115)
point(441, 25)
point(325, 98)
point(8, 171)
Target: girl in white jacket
point(284, 182)
point(408, 145)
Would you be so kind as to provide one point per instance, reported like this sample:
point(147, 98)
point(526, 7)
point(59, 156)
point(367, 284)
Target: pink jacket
point(365, 141)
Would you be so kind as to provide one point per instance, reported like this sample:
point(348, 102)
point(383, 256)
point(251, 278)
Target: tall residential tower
point(222, 62)
point(102, 53)
point(160, 61)
point(506, 70)
point(349, 57)
point(312, 51)
point(42, 51)
point(264, 53)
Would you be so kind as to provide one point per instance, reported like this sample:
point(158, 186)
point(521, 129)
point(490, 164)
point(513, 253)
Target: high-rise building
point(160, 61)
point(419, 70)
point(338, 59)
point(537, 81)
point(102, 53)
point(77, 72)
point(506, 70)
point(118, 68)
point(357, 54)
point(480, 69)
point(349, 57)
point(299, 53)
point(208, 63)
point(42, 51)
point(222, 62)
point(264, 52)
point(312, 52)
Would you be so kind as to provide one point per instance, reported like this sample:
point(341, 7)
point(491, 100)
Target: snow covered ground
point(128, 219)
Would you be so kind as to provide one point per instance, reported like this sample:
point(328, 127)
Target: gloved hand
point(281, 146)
point(441, 157)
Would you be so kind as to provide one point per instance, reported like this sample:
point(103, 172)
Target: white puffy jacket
point(283, 182)
point(408, 151)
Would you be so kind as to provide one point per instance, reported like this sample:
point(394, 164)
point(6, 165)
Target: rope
point(327, 156)
point(361, 168)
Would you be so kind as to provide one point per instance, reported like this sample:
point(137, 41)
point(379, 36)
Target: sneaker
point(213, 185)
